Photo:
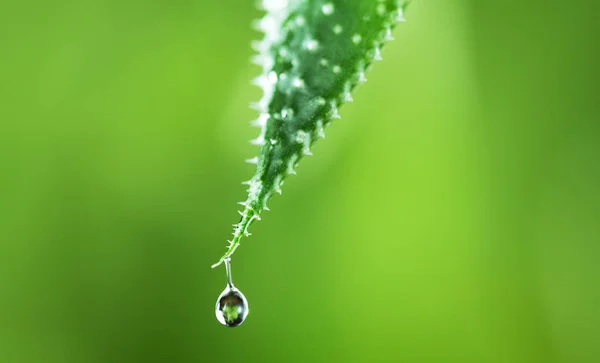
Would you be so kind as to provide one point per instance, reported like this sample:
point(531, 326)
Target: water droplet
point(232, 307)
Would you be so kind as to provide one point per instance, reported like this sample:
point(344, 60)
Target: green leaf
point(314, 53)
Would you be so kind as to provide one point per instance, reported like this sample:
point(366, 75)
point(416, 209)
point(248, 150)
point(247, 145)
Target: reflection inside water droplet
point(232, 307)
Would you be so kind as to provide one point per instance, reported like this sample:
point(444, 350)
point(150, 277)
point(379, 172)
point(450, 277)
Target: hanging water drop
point(232, 307)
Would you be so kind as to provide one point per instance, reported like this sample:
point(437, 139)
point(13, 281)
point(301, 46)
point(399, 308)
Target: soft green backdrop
point(451, 215)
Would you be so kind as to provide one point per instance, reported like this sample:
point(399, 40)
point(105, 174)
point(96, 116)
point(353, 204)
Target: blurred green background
point(452, 215)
